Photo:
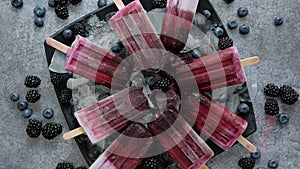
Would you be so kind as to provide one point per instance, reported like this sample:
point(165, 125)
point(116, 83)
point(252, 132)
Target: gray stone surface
point(22, 52)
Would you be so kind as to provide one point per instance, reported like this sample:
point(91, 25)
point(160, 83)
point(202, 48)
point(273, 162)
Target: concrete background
point(22, 52)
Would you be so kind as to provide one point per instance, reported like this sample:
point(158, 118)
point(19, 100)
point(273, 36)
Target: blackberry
point(271, 107)
point(34, 128)
point(81, 167)
point(162, 84)
point(159, 3)
point(61, 2)
point(65, 95)
point(59, 79)
point(62, 12)
point(247, 163)
point(225, 42)
point(74, 2)
point(271, 90)
point(32, 81)
point(33, 96)
point(64, 165)
point(79, 29)
point(51, 130)
point(150, 163)
point(288, 95)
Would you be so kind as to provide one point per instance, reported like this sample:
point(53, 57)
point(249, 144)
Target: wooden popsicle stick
point(204, 167)
point(73, 133)
point(249, 61)
point(247, 144)
point(119, 4)
point(57, 45)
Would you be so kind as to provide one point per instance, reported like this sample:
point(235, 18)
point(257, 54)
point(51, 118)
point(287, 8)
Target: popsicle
point(187, 149)
point(177, 23)
point(215, 121)
point(138, 35)
point(92, 62)
point(110, 115)
point(220, 69)
point(131, 149)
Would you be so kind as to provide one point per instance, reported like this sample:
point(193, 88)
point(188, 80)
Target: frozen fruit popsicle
point(132, 149)
point(215, 121)
point(177, 23)
point(138, 35)
point(92, 62)
point(110, 115)
point(217, 70)
point(187, 149)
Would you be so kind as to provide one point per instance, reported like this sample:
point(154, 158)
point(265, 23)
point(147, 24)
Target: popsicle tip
point(250, 61)
point(204, 167)
point(120, 5)
point(73, 133)
point(57, 45)
point(247, 144)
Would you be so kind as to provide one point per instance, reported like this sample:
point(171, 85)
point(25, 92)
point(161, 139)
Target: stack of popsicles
point(187, 149)
point(133, 150)
point(214, 121)
point(112, 114)
point(177, 23)
point(139, 37)
point(219, 69)
point(115, 112)
point(93, 62)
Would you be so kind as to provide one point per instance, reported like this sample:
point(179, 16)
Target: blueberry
point(22, 105)
point(67, 33)
point(17, 3)
point(206, 13)
point(273, 163)
point(232, 24)
point(14, 96)
point(244, 29)
point(242, 12)
point(39, 22)
point(244, 109)
point(116, 48)
point(255, 155)
point(74, 101)
point(149, 80)
point(101, 3)
point(39, 11)
point(27, 113)
point(196, 54)
point(51, 3)
point(283, 118)
point(278, 20)
point(228, 1)
point(48, 113)
point(219, 32)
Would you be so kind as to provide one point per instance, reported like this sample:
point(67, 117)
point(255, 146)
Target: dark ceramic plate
point(91, 152)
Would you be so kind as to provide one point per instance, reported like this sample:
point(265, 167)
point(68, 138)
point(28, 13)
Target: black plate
point(91, 152)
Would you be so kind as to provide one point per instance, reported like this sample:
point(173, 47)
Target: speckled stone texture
point(22, 52)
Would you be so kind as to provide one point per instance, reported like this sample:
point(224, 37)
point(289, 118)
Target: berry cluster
point(286, 94)
point(32, 95)
point(34, 127)
point(59, 81)
point(32, 81)
point(49, 130)
point(249, 162)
